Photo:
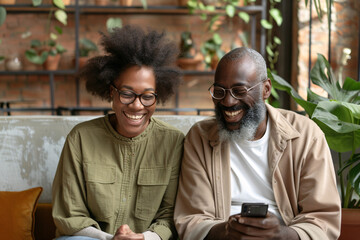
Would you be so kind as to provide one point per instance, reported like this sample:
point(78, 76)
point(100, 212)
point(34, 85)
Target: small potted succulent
point(46, 53)
point(86, 47)
point(188, 59)
point(211, 50)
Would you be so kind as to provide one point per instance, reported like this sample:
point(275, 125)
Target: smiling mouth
point(232, 113)
point(134, 117)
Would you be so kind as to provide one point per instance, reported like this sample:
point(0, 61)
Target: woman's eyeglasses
point(127, 97)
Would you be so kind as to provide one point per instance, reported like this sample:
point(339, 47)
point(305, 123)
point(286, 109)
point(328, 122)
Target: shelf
point(73, 71)
point(39, 72)
point(94, 9)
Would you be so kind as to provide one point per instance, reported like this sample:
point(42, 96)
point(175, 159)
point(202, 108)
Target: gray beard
point(248, 124)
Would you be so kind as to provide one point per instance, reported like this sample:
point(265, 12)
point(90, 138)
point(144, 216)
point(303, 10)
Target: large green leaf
point(339, 124)
point(315, 98)
point(2, 15)
point(353, 90)
point(354, 174)
point(322, 75)
point(283, 85)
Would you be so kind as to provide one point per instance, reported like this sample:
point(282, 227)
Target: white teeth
point(134, 117)
point(232, 114)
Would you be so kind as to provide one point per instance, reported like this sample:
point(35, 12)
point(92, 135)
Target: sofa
point(30, 147)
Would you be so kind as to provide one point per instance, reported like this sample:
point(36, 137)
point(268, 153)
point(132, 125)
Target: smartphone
point(254, 209)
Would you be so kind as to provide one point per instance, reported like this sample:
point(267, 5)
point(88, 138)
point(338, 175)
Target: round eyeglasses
point(237, 92)
point(127, 97)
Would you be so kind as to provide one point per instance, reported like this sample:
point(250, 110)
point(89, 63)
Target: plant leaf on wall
point(61, 16)
point(59, 3)
point(244, 16)
point(276, 14)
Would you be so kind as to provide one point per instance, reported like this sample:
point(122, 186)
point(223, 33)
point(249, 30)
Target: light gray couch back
point(30, 147)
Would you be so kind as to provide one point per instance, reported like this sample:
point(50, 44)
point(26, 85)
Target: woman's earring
point(112, 105)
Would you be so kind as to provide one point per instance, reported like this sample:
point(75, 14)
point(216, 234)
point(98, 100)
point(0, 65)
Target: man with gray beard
point(253, 153)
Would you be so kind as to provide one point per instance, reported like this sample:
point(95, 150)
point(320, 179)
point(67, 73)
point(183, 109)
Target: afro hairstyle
point(132, 46)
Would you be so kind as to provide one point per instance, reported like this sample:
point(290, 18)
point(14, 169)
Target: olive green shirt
point(105, 180)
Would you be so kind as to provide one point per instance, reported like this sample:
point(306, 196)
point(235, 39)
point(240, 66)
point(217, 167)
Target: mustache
point(232, 108)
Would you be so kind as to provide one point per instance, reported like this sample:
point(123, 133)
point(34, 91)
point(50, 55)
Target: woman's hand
point(124, 233)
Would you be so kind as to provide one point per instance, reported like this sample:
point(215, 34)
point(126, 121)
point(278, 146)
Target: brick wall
point(344, 34)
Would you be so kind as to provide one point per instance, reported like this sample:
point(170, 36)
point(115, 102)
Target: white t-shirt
point(250, 174)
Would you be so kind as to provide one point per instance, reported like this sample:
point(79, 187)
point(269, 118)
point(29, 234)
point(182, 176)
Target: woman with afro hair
point(117, 176)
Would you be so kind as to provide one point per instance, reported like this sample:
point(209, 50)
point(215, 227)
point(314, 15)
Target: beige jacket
point(303, 179)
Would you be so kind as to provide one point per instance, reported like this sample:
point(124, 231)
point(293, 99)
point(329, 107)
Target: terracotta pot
point(188, 63)
point(101, 2)
point(182, 3)
point(241, 3)
point(350, 224)
point(82, 61)
point(52, 62)
point(67, 2)
point(214, 62)
point(8, 2)
point(126, 2)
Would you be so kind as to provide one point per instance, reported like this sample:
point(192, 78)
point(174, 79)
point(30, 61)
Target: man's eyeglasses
point(237, 92)
point(127, 97)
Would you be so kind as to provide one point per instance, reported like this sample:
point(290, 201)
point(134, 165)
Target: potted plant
point(211, 50)
point(48, 52)
point(86, 47)
point(338, 116)
point(187, 60)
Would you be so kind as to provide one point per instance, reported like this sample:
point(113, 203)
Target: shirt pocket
point(152, 184)
point(100, 189)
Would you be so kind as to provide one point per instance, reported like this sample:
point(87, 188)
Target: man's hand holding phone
point(254, 221)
